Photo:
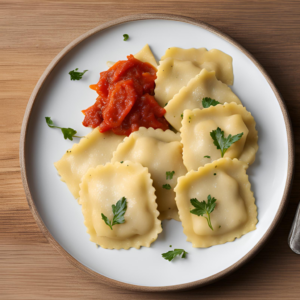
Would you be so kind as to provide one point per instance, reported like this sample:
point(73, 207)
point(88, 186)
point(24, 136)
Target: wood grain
point(31, 34)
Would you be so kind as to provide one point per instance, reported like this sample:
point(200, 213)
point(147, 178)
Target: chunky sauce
point(125, 100)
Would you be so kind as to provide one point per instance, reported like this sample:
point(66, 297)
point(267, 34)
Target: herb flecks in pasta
point(207, 102)
point(68, 133)
point(119, 211)
point(223, 143)
point(166, 186)
point(202, 208)
point(126, 37)
point(170, 255)
point(169, 175)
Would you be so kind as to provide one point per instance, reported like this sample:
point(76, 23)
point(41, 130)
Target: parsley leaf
point(126, 37)
point(119, 211)
point(166, 186)
point(207, 102)
point(68, 133)
point(169, 175)
point(181, 116)
point(202, 208)
point(206, 156)
point(75, 75)
point(223, 143)
point(170, 255)
point(106, 220)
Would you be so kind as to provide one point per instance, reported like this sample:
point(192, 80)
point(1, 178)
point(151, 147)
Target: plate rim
point(37, 217)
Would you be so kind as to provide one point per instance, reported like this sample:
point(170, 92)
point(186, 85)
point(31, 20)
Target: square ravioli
point(94, 149)
point(161, 152)
point(235, 212)
point(102, 187)
point(198, 145)
point(190, 97)
point(212, 60)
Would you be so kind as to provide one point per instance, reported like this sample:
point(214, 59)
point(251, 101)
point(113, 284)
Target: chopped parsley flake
point(68, 133)
point(170, 255)
point(202, 208)
point(169, 175)
point(119, 211)
point(223, 143)
point(75, 75)
point(207, 102)
point(166, 186)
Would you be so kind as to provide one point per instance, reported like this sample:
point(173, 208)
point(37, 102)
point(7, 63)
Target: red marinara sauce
point(125, 100)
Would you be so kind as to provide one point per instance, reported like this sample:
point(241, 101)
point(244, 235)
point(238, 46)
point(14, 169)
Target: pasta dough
point(212, 60)
point(189, 97)
point(102, 187)
point(235, 213)
point(232, 119)
point(93, 150)
point(144, 55)
point(161, 152)
point(172, 75)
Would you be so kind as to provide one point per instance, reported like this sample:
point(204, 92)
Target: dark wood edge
point(40, 222)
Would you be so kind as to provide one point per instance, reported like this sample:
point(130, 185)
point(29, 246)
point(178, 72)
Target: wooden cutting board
point(32, 32)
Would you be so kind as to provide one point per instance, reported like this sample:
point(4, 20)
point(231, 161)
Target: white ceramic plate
point(58, 212)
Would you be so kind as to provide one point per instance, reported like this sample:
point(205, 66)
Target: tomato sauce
point(125, 99)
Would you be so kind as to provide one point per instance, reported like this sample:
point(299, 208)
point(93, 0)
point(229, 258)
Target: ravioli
point(144, 55)
point(189, 97)
point(161, 152)
point(102, 187)
point(94, 149)
point(235, 213)
point(232, 119)
point(212, 60)
point(172, 75)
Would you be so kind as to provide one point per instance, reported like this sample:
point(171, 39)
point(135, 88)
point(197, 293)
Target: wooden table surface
point(32, 32)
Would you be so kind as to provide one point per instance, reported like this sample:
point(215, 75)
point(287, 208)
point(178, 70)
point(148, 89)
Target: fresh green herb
point(219, 226)
point(126, 37)
point(170, 246)
point(170, 255)
point(75, 75)
point(169, 175)
point(121, 162)
point(202, 208)
point(119, 211)
point(206, 156)
point(181, 116)
point(223, 143)
point(166, 186)
point(215, 173)
point(68, 133)
point(207, 102)
point(166, 104)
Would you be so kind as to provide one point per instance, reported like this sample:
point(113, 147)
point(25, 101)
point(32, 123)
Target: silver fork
point(294, 236)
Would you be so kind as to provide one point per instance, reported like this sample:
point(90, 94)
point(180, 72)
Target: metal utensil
point(294, 236)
